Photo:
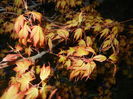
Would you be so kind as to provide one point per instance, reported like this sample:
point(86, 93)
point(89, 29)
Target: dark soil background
point(120, 10)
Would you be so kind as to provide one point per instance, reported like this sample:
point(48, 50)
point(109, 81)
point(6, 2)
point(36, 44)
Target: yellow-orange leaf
point(63, 33)
point(78, 33)
point(18, 48)
point(32, 93)
point(38, 36)
point(89, 67)
point(28, 51)
point(104, 32)
point(99, 58)
point(11, 92)
point(45, 72)
point(19, 23)
point(22, 66)
point(70, 51)
point(23, 33)
point(90, 49)
point(81, 43)
point(73, 74)
point(62, 58)
point(25, 80)
point(88, 41)
point(113, 58)
point(81, 51)
point(106, 45)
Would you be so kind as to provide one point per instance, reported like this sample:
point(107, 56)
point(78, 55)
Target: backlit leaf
point(78, 33)
point(19, 23)
point(45, 72)
point(23, 33)
point(12, 91)
point(104, 32)
point(22, 66)
point(81, 51)
point(25, 80)
point(113, 58)
point(106, 45)
point(88, 41)
point(90, 49)
point(63, 33)
point(99, 58)
point(70, 51)
point(32, 93)
point(38, 36)
point(81, 43)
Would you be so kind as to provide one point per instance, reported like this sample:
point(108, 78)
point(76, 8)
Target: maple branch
point(32, 58)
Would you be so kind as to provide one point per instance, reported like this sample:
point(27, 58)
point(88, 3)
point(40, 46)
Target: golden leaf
point(70, 51)
point(80, 18)
point(89, 67)
point(45, 72)
point(88, 41)
point(25, 80)
point(23, 33)
point(19, 23)
point(38, 36)
point(63, 33)
point(81, 43)
point(32, 93)
point(28, 51)
point(62, 58)
point(106, 45)
point(78, 33)
point(97, 28)
point(99, 58)
point(22, 66)
point(81, 51)
point(115, 30)
point(68, 63)
point(113, 58)
point(90, 49)
point(74, 74)
point(18, 48)
point(104, 32)
point(12, 91)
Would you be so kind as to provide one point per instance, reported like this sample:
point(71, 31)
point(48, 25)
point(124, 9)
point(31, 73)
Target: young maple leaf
point(38, 36)
point(45, 72)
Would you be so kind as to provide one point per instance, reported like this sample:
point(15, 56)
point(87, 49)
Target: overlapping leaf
point(45, 72)
point(38, 36)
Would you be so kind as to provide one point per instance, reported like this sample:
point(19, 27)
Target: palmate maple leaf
point(38, 36)
point(19, 23)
